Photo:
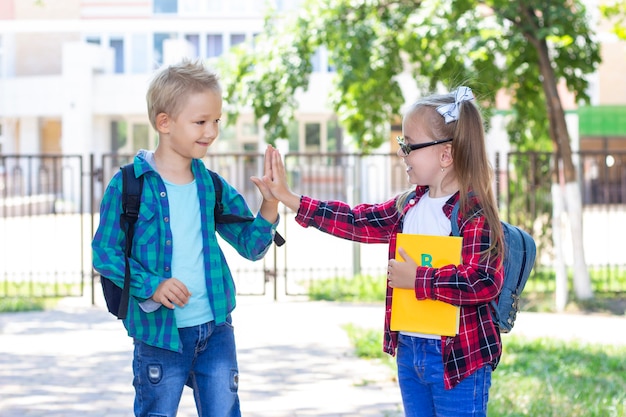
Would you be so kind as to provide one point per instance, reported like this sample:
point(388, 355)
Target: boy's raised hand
point(269, 206)
point(278, 184)
point(262, 183)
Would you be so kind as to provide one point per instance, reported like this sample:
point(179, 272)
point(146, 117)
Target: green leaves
point(489, 45)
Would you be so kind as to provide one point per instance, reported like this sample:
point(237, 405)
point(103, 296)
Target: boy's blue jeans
point(420, 376)
point(208, 364)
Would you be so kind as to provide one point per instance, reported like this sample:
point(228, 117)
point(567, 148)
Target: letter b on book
point(427, 260)
point(426, 316)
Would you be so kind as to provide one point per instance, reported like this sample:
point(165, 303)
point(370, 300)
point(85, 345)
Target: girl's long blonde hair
point(471, 166)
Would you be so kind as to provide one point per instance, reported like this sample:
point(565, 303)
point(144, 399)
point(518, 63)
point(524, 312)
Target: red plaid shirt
point(471, 285)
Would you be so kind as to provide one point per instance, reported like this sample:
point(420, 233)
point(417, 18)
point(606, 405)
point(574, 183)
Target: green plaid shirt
point(151, 261)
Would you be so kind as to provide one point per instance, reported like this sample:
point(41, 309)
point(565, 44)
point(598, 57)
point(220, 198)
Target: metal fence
point(43, 219)
point(49, 207)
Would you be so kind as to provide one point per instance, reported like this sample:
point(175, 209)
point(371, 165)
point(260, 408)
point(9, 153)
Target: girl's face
point(197, 125)
point(423, 164)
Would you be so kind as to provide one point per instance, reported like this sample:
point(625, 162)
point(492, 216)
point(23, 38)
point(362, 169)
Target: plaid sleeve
point(365, 223)
point(253, 239)
point(108, 242)
point(477, 280)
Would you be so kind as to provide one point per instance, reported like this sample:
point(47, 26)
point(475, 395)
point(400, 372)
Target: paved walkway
point(294, 358)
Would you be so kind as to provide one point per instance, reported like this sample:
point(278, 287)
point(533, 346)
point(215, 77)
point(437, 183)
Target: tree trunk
point(582, 282)
point(561, 140)
point(558, 214)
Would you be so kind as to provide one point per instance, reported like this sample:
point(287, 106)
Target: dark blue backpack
point(117, 298)
point(518, 261)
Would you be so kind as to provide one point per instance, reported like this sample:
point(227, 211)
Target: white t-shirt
point(427, 218)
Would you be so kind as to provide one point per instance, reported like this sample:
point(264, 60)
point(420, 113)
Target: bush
point(363, 288)
point(18, 304)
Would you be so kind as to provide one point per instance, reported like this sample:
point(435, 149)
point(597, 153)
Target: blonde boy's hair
point(172, 85)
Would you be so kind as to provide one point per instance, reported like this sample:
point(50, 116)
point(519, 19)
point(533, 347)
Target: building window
point(190, 6)
point(293, 136)
point(129, 137)
point(119, 135)
point(139, 56)
point(312, 136)
point(118, 53)
point(238, 6)
point(249, 129)
point(159, 39)
point(214, 46)
point(237, 38)
point(250, 147)
point(194, 42)
point(141, 136)
point(335, 137)
point(165, 6)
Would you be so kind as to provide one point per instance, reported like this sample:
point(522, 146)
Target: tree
point(616, 12)
point(526, 48)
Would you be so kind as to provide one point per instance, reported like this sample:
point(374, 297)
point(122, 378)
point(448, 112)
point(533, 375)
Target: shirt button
point(166, 219)
point(167, 268)
point(168, 242)
point(162, 194)
point(412, 202)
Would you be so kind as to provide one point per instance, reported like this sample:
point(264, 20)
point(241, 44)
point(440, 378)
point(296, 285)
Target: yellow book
point(426, 316)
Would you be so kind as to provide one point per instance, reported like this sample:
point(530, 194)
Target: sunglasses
point(406, 148)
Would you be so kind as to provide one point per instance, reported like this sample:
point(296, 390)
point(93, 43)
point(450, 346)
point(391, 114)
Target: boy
point(182, 291)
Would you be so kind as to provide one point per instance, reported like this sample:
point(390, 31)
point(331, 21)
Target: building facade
point(73, 76)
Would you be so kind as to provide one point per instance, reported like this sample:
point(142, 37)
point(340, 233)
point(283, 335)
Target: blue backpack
point(519, 258)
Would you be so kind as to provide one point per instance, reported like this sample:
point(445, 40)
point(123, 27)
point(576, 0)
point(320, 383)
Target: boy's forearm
point(269, 210)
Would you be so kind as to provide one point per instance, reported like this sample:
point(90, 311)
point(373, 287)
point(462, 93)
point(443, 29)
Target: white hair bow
point(450, 112)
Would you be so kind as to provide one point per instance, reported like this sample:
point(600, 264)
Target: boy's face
point(196, 127)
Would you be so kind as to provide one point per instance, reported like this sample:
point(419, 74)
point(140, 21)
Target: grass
point(540, 377)
point(33, 296)
point(536, 377)
point(552, 378)
point(602, 303)
point(366, 288)
point(20, 304)
point(362, 288)
point(368, 344)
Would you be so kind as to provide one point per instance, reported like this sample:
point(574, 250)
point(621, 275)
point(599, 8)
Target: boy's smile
point(197, 124)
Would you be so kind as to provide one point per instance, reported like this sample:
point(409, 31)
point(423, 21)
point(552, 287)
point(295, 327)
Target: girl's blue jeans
point(420, 376)
point(207, 364)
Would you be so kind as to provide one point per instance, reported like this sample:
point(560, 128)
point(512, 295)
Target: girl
point(443, 148)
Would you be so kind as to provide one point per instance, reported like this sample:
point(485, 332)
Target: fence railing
point(49, 206)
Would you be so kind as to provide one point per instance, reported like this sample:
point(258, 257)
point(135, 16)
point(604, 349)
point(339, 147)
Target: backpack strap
point(454, 222)
point(218, 211)
point(131, 198)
